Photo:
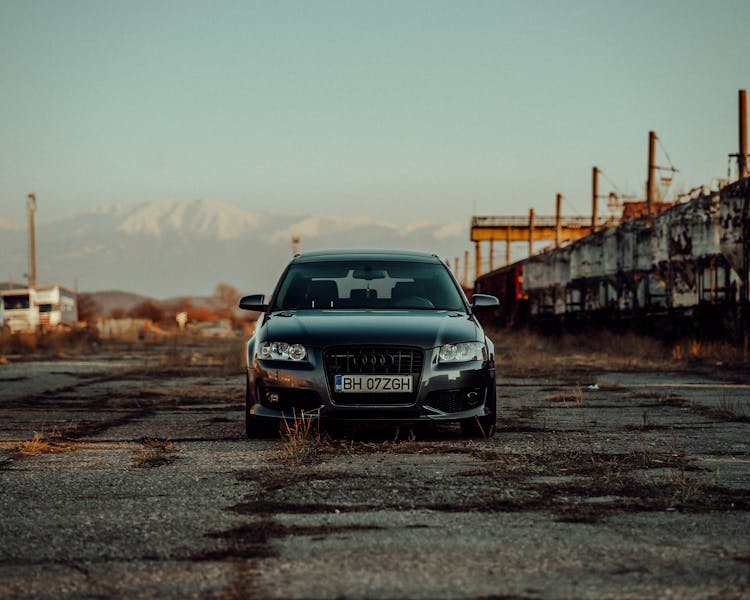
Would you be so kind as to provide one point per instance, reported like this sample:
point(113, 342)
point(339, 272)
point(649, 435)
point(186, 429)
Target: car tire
point(257, 427)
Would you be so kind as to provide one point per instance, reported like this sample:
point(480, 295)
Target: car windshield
point(368, 284)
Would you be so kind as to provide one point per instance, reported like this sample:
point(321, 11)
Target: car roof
point(366, 254)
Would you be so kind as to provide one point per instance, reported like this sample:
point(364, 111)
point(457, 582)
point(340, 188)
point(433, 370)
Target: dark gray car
point(355, 335)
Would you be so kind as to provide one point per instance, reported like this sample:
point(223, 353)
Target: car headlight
point(282, 351)
point(463, 352)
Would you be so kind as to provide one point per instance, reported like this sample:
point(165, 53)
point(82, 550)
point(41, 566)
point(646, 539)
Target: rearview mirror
point(484, 301)
point(254, 302)
point(369, 274)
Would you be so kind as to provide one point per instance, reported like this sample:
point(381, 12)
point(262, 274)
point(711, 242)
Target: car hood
point(321, 328)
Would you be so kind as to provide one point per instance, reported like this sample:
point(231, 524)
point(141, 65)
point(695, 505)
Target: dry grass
point(302, 441)
point(523, 353)
point(155, 453)
point(42, 444)
point(58, 343)
point(5, 338)
point(711, 351)
point(181, 354)
point(732, 407)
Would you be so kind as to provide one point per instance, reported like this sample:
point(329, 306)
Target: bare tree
point(118, 312)
point(225, 300)
point(88, 308)
point(148, 309)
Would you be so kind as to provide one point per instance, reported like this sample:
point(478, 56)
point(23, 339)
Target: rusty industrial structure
point(682, 266)
point(566, 229)
point(528, 230)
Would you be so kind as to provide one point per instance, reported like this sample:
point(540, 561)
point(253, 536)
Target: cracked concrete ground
point(598, 483)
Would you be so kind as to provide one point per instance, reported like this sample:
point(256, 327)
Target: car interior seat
point(322, 293)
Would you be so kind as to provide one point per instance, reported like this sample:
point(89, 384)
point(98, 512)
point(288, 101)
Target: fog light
point(272, 398)
point(473, 399)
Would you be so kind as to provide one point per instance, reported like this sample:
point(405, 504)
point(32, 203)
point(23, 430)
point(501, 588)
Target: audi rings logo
point(376, 359)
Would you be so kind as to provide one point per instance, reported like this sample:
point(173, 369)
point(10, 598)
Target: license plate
point(373, 384)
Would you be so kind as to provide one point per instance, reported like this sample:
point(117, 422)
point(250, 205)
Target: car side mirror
point(483, 302)
point(254, 302)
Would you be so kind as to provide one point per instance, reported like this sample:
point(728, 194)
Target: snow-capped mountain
point(204, 218)
point(167, 248)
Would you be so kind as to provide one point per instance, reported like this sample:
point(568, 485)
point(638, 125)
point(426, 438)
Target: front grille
point(373, 360)
point(452, 401)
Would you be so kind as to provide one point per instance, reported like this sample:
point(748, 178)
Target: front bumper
point(445, 392)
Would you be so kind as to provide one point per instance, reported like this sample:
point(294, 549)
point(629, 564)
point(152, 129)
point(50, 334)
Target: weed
point(731, 407)
point(713, 351)
point(57, 343)
point(155, 453)
point(44, 444)
point(523, 353)
point(302, 440)
point(179, 356)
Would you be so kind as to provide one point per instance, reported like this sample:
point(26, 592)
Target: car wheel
point(257, 427)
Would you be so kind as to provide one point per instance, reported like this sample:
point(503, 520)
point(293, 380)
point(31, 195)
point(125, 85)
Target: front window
point(357, 284)
point(16, 301)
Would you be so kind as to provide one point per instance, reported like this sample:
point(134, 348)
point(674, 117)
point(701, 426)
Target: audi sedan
point(354, 335)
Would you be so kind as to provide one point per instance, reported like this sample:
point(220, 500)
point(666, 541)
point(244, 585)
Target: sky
point(393, 109)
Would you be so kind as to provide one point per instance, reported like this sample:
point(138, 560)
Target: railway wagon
point(507, 284)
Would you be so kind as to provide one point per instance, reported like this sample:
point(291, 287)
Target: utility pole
point(594, 198)
point(531, 231)
point(455, 267)
point(295, 245)
point(477, 260)
point(651, 181)
point(742, 159)
point(31, 205)
point(466, 268)
point(558, 220)
point(507, 245)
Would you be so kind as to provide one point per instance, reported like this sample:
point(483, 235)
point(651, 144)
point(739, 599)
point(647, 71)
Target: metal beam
point(507, 246)
point(521, 233)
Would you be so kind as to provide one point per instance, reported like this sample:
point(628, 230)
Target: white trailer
point(21, 310)
point(57, 306)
